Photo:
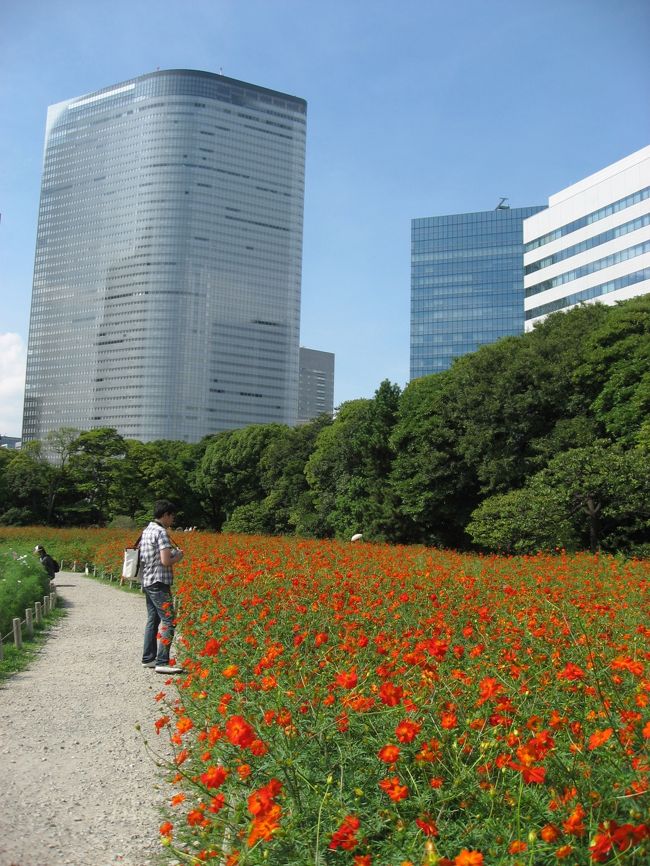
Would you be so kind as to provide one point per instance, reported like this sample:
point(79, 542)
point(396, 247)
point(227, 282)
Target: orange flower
point(211, 647)
point(183, 725)
point(390, 694)
point(598, 738)
point(468, 858)
point(161, 722)
point(427, 825)
point(626, 663)
point(574, 824)
point(516, 847)
point(407, 730)
point(345, 836)
point(261, 799)
point(429, 751)
point(563, 851)
point(265, 825)
point(217, 803)
point(166, 829)
point(448, 720)
point(230, 671)
point(395, 790)
point(239, 732)
point(571, 672)
point(243, 771)
point(550, 833)
point(489, 688)
point(389, 754)
point(195, 818)
point(347, 679)
point(214, 777)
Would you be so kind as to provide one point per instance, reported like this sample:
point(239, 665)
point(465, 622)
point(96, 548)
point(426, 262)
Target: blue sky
point(414, 109)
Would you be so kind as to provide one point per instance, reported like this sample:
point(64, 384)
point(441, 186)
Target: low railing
point(32, 616)
point(88, 568)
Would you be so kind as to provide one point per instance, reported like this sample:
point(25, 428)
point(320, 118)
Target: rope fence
point(90, 569)
point(43, 608)
point(35, 615)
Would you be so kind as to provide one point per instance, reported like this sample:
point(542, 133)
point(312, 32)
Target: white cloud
point(13, 360)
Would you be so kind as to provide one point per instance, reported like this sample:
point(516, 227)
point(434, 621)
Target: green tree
point(93, 465)
point(158, 470)
point(595, 496)
point(522, 521)
point(435, 488)
point(615, 370)
point(27, 481)
point(349, 470)
point(6, 457)
point(229, 473)
point(289, 506)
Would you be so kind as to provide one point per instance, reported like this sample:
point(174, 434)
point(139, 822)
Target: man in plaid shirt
point(157, 559)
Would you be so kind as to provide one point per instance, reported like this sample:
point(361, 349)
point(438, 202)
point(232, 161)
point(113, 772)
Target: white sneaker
point(149, 664)
point(169, 669)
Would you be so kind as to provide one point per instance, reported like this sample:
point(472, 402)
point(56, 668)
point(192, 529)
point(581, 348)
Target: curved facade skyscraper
point(166, 296)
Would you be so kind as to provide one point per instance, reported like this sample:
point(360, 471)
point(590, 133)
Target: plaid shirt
point(154, 539)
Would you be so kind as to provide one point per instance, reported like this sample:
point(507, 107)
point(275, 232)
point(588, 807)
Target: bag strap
point(137, 544)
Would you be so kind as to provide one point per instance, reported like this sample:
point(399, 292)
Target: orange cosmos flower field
point(367, 704)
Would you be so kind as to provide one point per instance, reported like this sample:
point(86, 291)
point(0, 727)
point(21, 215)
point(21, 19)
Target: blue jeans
point(160, 622)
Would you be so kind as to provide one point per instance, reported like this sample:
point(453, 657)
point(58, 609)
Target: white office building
point(592, 243)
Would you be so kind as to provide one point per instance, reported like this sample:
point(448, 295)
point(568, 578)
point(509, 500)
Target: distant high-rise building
point(467, 286)
point(316, 391)
point(592, 243)
point(166, 296)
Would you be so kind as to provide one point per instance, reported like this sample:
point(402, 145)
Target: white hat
point(357, 537)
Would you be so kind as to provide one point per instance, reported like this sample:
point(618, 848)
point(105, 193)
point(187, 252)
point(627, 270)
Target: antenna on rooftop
point(502, 204)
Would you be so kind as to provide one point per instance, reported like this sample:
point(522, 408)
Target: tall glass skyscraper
point(166, 296)
point(467, 284)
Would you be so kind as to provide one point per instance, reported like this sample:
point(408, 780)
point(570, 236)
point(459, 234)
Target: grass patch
point(16, 660)
point(23, 580)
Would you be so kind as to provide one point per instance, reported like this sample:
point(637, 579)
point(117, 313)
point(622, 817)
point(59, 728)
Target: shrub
point(23, 580)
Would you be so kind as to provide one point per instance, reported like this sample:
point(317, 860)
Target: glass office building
point(316, 384)
point(466, 284)
point(166, 295)
point(592, 244)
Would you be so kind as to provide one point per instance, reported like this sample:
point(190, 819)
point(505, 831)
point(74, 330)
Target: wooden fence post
point(1, 649)
point(46, 605)
point(29, 623)
point(38, 612)
point(52, 601)
point(18, 635)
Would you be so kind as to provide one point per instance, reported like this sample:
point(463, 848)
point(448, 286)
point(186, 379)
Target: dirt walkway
point(77, 786)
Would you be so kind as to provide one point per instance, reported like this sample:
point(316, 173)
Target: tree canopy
point(536, 441)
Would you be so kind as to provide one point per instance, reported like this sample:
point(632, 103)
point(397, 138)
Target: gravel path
point(77, 786)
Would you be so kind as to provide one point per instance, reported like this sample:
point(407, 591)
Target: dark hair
point(163, 506)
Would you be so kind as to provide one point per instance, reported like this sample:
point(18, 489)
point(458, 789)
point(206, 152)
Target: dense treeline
point(537, 441)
